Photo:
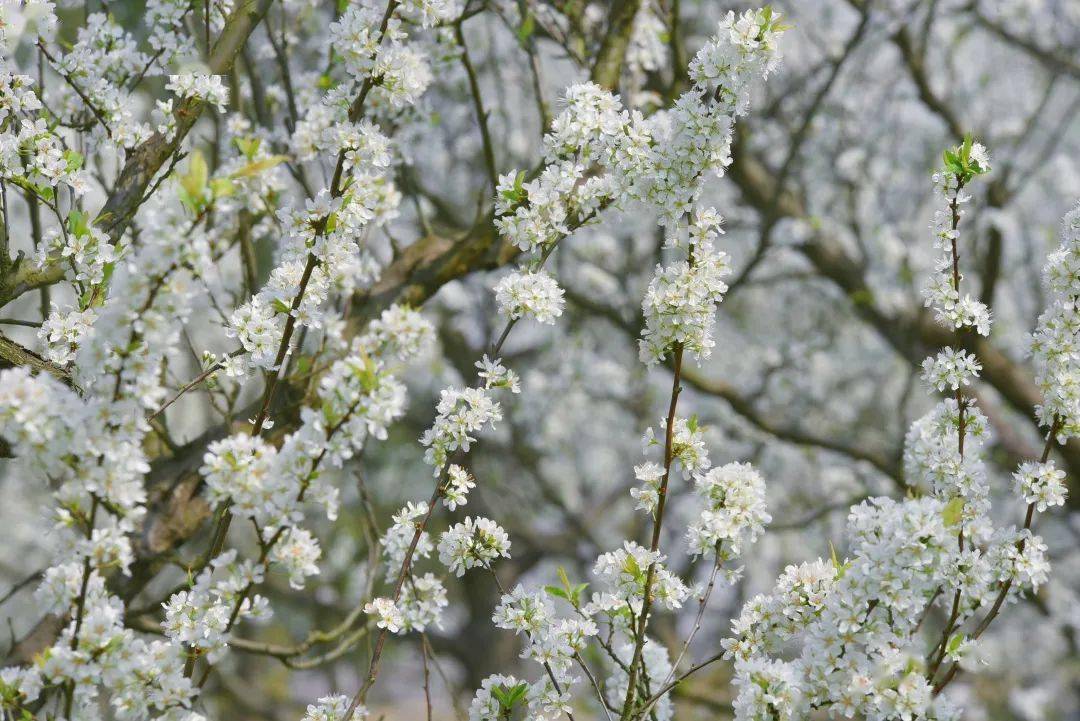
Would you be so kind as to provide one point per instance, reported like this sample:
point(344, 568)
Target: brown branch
point(13, 354)
point(742, 406)
point(431, 262)
point(1051, 59)
point(929, 97)
point(609, 60)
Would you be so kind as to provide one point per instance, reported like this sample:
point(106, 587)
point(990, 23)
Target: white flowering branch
point(212, 246)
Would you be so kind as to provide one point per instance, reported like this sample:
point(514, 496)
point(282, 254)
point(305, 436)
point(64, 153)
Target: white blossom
point(1041, 484)
point(532, 294)
point(386, 613)
point(208, 88)
point(476, 542)
point(333, 708)
point(458, 485)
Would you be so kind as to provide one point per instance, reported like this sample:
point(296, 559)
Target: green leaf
point(528, 26)
point(953, 512)
point(771, 21)
point(953, 163)
point(509, 697)
point(557, 592)
point(193, 182)
point(366, 372)
point(329, 414)
point(185, 199)
point(258, 166)
point(501, 696)
point(198, 172)
point(222, 187)
point(248, 146)
point(862, 297)
point(74, 160)
point(517, 193)
point(77, 224)
point(840, 566)
point(955, 642)
point(518, 692)
point(280, 306)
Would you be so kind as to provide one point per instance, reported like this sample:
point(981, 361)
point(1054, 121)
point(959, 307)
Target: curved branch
point(13, 354)
point(1052, 60)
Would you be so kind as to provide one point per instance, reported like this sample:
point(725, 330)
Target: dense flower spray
point(852, 636)
point(132, 303)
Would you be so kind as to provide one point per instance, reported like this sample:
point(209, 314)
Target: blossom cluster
point(324, 250)
point(105, 64)
point(877, 632)
point(32, 154)
point(200, 617)
point(1054, 348)
point(91, 433)
point(733, 510)
point(600, 155)
point(534, 294)
point(942, 292)
point(89, 437)
point(357, 399)
point(679, 305)
point(207, 88)
point(851, 635)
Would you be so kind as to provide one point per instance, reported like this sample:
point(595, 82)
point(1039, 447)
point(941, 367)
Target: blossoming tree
point(238, 236)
